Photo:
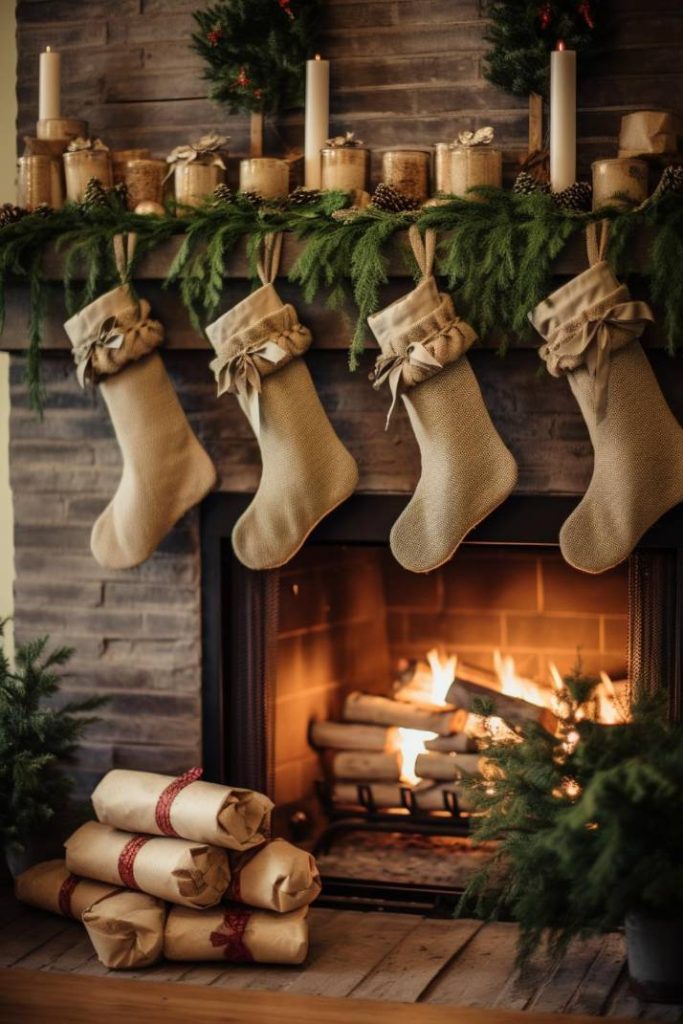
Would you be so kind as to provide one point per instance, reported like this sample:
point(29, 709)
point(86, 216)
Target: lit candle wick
point(560, 44)
point(48, 49)
point(317, 56)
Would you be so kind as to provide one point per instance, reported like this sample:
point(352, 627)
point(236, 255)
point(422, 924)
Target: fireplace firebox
point(284, 649)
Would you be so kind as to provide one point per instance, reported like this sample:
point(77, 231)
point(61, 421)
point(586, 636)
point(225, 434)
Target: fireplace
point(284, 649)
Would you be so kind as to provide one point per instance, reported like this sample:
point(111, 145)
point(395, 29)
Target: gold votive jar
point(407, 170)
point(195, 181)
point(345, 167)
point(442, 167)
point(625, 177)
point(144, 179)
point(80, 165)
point(471, 166)
point(120, 157)
point(265, 175)
point(40, 180)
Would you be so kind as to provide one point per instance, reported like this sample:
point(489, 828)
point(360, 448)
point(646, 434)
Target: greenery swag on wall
point(495, 253)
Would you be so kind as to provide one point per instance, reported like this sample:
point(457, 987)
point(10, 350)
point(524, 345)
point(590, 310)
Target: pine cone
point(386, 197)
point(223, 194)
point(304, 196)
point(577, 197)
point(670, 181)
point(525, 184)
point(10, 214)
point(252, 197)
point(95, 194)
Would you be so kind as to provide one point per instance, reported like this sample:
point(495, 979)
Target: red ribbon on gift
point(230, 935)
point(162, 813)
point(64, 896)
point(127, 860)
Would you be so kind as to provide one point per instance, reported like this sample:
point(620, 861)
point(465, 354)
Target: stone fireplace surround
point(139, 634)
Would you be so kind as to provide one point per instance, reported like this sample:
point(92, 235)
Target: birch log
point(366, 767)
point(366, 707)
point(428, 796)
point(343, 736)
point(457, 743)
point(446, 767)
point(513, 710)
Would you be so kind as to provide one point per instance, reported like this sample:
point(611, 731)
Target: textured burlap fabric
point(237, 935)
point(200, 811)
point(307, 471)
point(165, 469)
point(466, 469)
point(126, 928)
point(177, 870)
point(277, 876)
point(591, 327)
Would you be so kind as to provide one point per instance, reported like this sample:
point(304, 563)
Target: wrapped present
point(192, 874)
point(125, 928)
point(649, 132)
point(237, 935)
point(276, 876)
point(182, 807)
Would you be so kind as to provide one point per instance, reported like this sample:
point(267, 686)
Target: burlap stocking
point(591, 327)
point(165, 469)
point(466, 469)
point(307, 471)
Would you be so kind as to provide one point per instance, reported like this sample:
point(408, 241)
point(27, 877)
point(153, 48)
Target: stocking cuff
point(109, 333)
point(419, 335)
point(585, 321)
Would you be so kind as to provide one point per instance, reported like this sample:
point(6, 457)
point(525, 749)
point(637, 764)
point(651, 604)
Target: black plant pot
point(655, 958)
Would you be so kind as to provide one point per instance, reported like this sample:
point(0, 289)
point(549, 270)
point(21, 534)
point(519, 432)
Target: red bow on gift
point(231, 936)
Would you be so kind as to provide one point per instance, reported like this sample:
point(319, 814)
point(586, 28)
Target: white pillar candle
point(562, 118)
point(50, 85)
point(317, 117)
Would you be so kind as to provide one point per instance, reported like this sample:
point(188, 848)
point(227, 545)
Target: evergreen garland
point(523, 32)
point(589, 822)
point(495, 251)
point(36, 740)
point(255, 51)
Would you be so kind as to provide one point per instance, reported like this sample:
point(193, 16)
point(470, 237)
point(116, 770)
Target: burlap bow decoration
point(80, 144)
point(119, 339)
point(590, 338)
point(243, 359)
point(206, 150)
point(430, 345)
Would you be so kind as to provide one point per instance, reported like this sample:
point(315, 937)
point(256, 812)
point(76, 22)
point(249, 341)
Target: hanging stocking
point(165, 469)
point(307, 471)
point(591, 327)
point(466, 469)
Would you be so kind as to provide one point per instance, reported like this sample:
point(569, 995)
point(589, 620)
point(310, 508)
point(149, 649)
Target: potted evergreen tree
point(37, 741)
point(589, 826)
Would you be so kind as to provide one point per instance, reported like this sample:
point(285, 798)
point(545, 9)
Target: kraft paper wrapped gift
point(192, 874)
point(649, 132)
point(276, 876)
point(237, 935)
point(182, 807)
point(126, 928)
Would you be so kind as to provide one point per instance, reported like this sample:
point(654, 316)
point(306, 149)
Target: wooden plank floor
point(402, 958)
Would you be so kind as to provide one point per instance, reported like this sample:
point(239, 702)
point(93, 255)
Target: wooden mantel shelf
point(331, 329)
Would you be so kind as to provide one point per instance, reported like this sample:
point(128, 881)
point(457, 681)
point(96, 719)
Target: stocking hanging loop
point(423, 251)
point(124, 250)
point(597, 247)
point(269, 262)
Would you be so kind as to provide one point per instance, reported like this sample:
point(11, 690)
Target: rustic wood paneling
point(404, 71)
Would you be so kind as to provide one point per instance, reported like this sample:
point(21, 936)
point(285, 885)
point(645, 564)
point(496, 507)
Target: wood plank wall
point(404, 71)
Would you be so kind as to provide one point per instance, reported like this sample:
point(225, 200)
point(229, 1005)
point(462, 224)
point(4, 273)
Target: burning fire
point(443, 674)
point(514, 685)
point(411, 743)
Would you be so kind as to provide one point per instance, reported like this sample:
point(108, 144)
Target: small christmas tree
point(256, 50)
point(36, 740)
point(523, 33)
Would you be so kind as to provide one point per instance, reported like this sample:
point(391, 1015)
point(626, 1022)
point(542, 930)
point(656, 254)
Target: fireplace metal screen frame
point(239, 613)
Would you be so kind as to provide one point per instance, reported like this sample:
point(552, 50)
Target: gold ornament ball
point(148, 206)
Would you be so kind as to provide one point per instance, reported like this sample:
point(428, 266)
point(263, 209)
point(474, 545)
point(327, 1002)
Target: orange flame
point(411, 743)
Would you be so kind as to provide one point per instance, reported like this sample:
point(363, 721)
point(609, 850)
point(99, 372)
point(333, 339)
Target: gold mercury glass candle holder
point(80, 165)
point(345, 167)
point(623, 177)
point(265, 175)
point(144, 179)
point(40, 181)
point(407, 170)
point(194, 181)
